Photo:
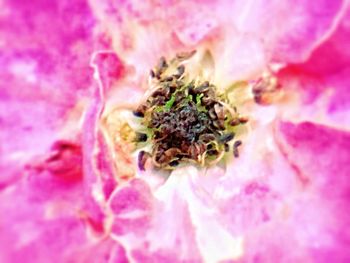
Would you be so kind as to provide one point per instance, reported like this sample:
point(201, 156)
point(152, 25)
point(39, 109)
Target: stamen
point(142, 158)
point(187, 120)
point(266, 89)
point(138, 114)
point(235, 148)
point(226, 137)
point(185, 55)
point(141, 137)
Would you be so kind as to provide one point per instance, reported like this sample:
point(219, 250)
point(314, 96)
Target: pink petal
point(158, 224)
point(59, 194)
point(39, 66)
point(322, 81)
point(290, 30)
point(45, 72)
point(321, 155)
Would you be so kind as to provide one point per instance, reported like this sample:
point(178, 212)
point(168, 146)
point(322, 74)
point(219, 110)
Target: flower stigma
point(185, 119)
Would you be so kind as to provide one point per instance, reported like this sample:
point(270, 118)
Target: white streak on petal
point(25, 70)
point(213, 239)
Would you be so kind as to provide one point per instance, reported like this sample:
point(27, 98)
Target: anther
point(141, 137)
point(142, 158)
point(180, 71)
point(188, 122)
point(235, 148)
point(227, 147)
point(138, 113)
point(226, 137)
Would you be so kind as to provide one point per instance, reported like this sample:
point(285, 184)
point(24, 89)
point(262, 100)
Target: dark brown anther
point(237, 144)
point(141, 137)
point(207, 101)
point(172, 87)
point(172, 152)
point(185, 55)
point(142, 158)
point(212, 152)
point(227, 147)
point(208, 137)
point(203, 88)
point(220, 124)
point(162, 64)
point(243, 120)
point(170, 78)
point(180, 71)
point(258, 98)
point(235, 152)
point(235, 148)
point(212, 114)
point(159, 92)
point(195, 150)
point(202, 147)
point(226, 137)
point(235, 122)
point(159, 100)
point(174, 163)
point(266, 90)
point(140, 111)
point(219, 110)
point(152, 74)
point(205, 84)
point(180, 83)
point(138, 114)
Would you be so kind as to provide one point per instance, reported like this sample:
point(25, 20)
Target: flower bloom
point(70, 187)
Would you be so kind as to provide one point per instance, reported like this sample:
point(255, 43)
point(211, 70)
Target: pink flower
point(71, 191)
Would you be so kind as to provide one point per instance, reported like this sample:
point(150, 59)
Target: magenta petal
point(44, 59)
point(40, 58)
point(332, 55)
point(290, 29)
point(61, 197)
point(322, 81)
point(321, 156)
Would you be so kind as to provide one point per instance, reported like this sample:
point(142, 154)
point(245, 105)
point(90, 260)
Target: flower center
point(185, 120)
